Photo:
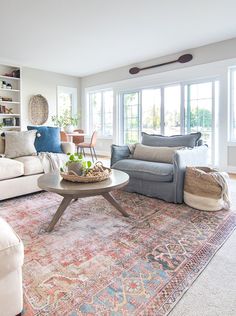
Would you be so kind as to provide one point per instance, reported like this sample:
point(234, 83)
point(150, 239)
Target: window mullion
point(162, 125)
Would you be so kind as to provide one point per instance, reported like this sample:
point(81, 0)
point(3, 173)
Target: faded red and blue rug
point(97, 262)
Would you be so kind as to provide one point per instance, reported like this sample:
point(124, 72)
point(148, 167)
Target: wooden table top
point(53, 182)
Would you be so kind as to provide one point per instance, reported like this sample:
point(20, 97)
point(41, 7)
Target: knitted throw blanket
point(51, 161)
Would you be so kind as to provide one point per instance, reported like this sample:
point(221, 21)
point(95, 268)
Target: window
point(66, 101)
point(172, 110)
point(199, 109)
point(151, 111)
point(233, 104)
point(131, 112)
point(172, 103)
point(101, 112)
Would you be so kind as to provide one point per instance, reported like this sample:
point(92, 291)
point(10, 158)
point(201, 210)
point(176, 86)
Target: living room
point(118, 158)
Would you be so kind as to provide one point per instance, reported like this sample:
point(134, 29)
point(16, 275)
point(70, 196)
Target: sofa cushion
point(49, 140)
point(11, 249)
point(189, 140)
point(32, 165)
point(119, 152)
point(18, 144)
point(157, 154)
point(10, 168)
point(146, 170)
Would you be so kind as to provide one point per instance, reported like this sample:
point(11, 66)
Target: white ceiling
point(81, 37)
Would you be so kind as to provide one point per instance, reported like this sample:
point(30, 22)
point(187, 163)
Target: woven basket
point(202, 189)
point(38, 109)
point(98, 176)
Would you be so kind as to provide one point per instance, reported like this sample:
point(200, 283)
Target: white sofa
point(19, 176)
point(11, 262)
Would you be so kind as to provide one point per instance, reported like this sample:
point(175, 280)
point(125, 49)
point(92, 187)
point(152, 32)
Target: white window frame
point(90, 111)
point(182, 85)
point(73, 92)
point(232, 86)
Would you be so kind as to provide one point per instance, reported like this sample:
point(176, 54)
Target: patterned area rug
point(97, 262)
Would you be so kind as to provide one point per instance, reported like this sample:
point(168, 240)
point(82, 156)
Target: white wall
point(211, 61)
point(36, 81)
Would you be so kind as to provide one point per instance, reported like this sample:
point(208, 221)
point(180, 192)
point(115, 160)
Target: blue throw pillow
point(49, 141)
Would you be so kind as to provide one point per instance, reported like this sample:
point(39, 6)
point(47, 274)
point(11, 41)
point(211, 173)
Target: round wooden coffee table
point(53, 182)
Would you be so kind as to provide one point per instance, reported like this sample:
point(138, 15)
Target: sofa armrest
point(196, 156)
point(119, 153)
point(68, 147)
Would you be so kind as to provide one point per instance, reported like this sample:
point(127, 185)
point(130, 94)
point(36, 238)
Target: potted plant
point(66, 121)
point(77, 164)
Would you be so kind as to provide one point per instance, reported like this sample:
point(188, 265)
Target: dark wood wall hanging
point(182, 59)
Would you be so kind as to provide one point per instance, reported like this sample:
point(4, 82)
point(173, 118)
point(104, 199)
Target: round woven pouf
point(206, 189)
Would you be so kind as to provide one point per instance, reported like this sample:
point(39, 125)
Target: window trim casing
point(232, 87)
point(90, 116)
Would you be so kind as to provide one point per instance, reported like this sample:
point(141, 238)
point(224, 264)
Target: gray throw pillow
point(19, 144)
point(119, 152)
point(189, 140)
point(156, 154)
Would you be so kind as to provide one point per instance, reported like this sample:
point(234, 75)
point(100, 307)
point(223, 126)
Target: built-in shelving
point(9, 114)
point(10, 119)
point(10, 90)
point(9, 102)
point(9, 78)
point(11, 127)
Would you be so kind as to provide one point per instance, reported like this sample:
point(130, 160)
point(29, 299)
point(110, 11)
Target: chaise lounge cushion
point(10, 168)
point(32, 165)
point(146, 170)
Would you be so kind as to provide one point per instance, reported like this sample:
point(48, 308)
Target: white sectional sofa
point(11, 262)
point(19, 176)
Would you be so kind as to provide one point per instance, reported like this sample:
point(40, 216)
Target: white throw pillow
point(19, 144)
point(156, 154)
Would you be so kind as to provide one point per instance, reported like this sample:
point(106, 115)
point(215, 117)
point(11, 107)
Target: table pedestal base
point(67, 200)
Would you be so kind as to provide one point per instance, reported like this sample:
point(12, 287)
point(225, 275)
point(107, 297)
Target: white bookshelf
point(11, 120)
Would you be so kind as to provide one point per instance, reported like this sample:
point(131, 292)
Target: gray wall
point(36, 81)
point(208, 62)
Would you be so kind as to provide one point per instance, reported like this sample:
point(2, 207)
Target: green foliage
point(201, 118)
point(77, 158)
point(65, 119)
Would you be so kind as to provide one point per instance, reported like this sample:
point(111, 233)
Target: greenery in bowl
point(77, 164)
point(65, 119)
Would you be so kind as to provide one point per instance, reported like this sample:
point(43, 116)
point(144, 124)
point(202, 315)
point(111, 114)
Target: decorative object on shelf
point(7, 99)
point(17, 121)
point(38, 109)
point(14, 73)
point(9, 111)
point(9, 86)
point(80, 170)
point(67, 121)
point(4, 85)
point(2, 109)
point(182, 59)
point(8, 122)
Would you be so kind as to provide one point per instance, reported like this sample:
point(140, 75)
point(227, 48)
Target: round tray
point(87, 179)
